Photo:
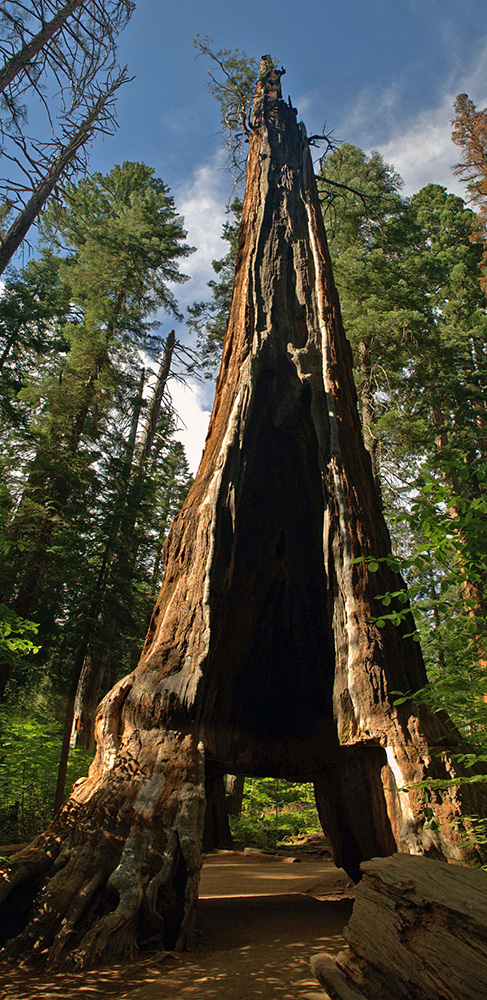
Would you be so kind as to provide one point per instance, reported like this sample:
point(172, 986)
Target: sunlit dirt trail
point(260, 918)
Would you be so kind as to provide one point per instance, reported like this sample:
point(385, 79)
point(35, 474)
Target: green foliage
point(67, 451)
point(446, 571)
point(407, 274)
point(359, 194)
point(30, 745)
point(34, 307)
point(234, 90)
point(232, 83)
point(368, 234)
point(14, 636)
point(441, 393)
point(274, 811)
point(124, 240)
point(470, 134)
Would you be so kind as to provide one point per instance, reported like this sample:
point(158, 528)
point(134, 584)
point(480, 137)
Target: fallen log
point(418, 931)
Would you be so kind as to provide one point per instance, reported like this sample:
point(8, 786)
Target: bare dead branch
point(71, 40)
point(99, 118)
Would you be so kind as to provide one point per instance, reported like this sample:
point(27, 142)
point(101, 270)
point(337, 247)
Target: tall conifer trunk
point(121, 537)
point(261, 656)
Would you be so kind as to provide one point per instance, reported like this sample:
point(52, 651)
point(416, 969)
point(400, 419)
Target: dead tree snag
point(261, 656)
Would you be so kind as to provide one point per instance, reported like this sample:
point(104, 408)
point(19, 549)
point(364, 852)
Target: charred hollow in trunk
point(261, 654)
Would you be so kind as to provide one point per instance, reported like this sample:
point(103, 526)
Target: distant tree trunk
point(146, 442)
point(5, 671)
point(81, 714)
point(91, 677)
point(262, 654)
point(216, 833)
point(234, 788)
point(474, 589)
point(86, 702)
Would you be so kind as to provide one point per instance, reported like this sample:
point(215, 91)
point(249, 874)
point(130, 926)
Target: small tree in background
point(469, 132)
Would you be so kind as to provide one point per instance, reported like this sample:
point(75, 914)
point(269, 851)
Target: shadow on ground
point(246, 946)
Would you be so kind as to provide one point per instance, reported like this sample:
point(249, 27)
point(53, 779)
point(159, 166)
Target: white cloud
point(201, 200)
point(420, 147)
point(424, 152)
point(305, 102)
point(372, 111)
point(194, 413)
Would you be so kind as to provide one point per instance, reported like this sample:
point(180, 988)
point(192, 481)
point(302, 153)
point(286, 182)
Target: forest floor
point(260, 918)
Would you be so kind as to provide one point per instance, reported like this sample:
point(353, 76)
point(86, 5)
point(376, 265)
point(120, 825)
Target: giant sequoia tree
point(262, 656)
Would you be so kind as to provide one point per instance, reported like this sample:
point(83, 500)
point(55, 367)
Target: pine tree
point(34, 308)
point(364, 214)
point(470, 134)
point(124, 241)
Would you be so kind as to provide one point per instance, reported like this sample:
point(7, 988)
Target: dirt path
point(259, 921)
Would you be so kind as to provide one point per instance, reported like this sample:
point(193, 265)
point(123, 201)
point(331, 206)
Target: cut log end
point(333, 981)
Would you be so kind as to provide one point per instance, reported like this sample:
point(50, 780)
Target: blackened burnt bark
point(261, 654)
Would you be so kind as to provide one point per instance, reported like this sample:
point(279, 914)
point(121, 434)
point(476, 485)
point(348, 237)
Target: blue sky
point(381, 73)
point(366, 66)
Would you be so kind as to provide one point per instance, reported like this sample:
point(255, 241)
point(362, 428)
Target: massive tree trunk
point(261, 656)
